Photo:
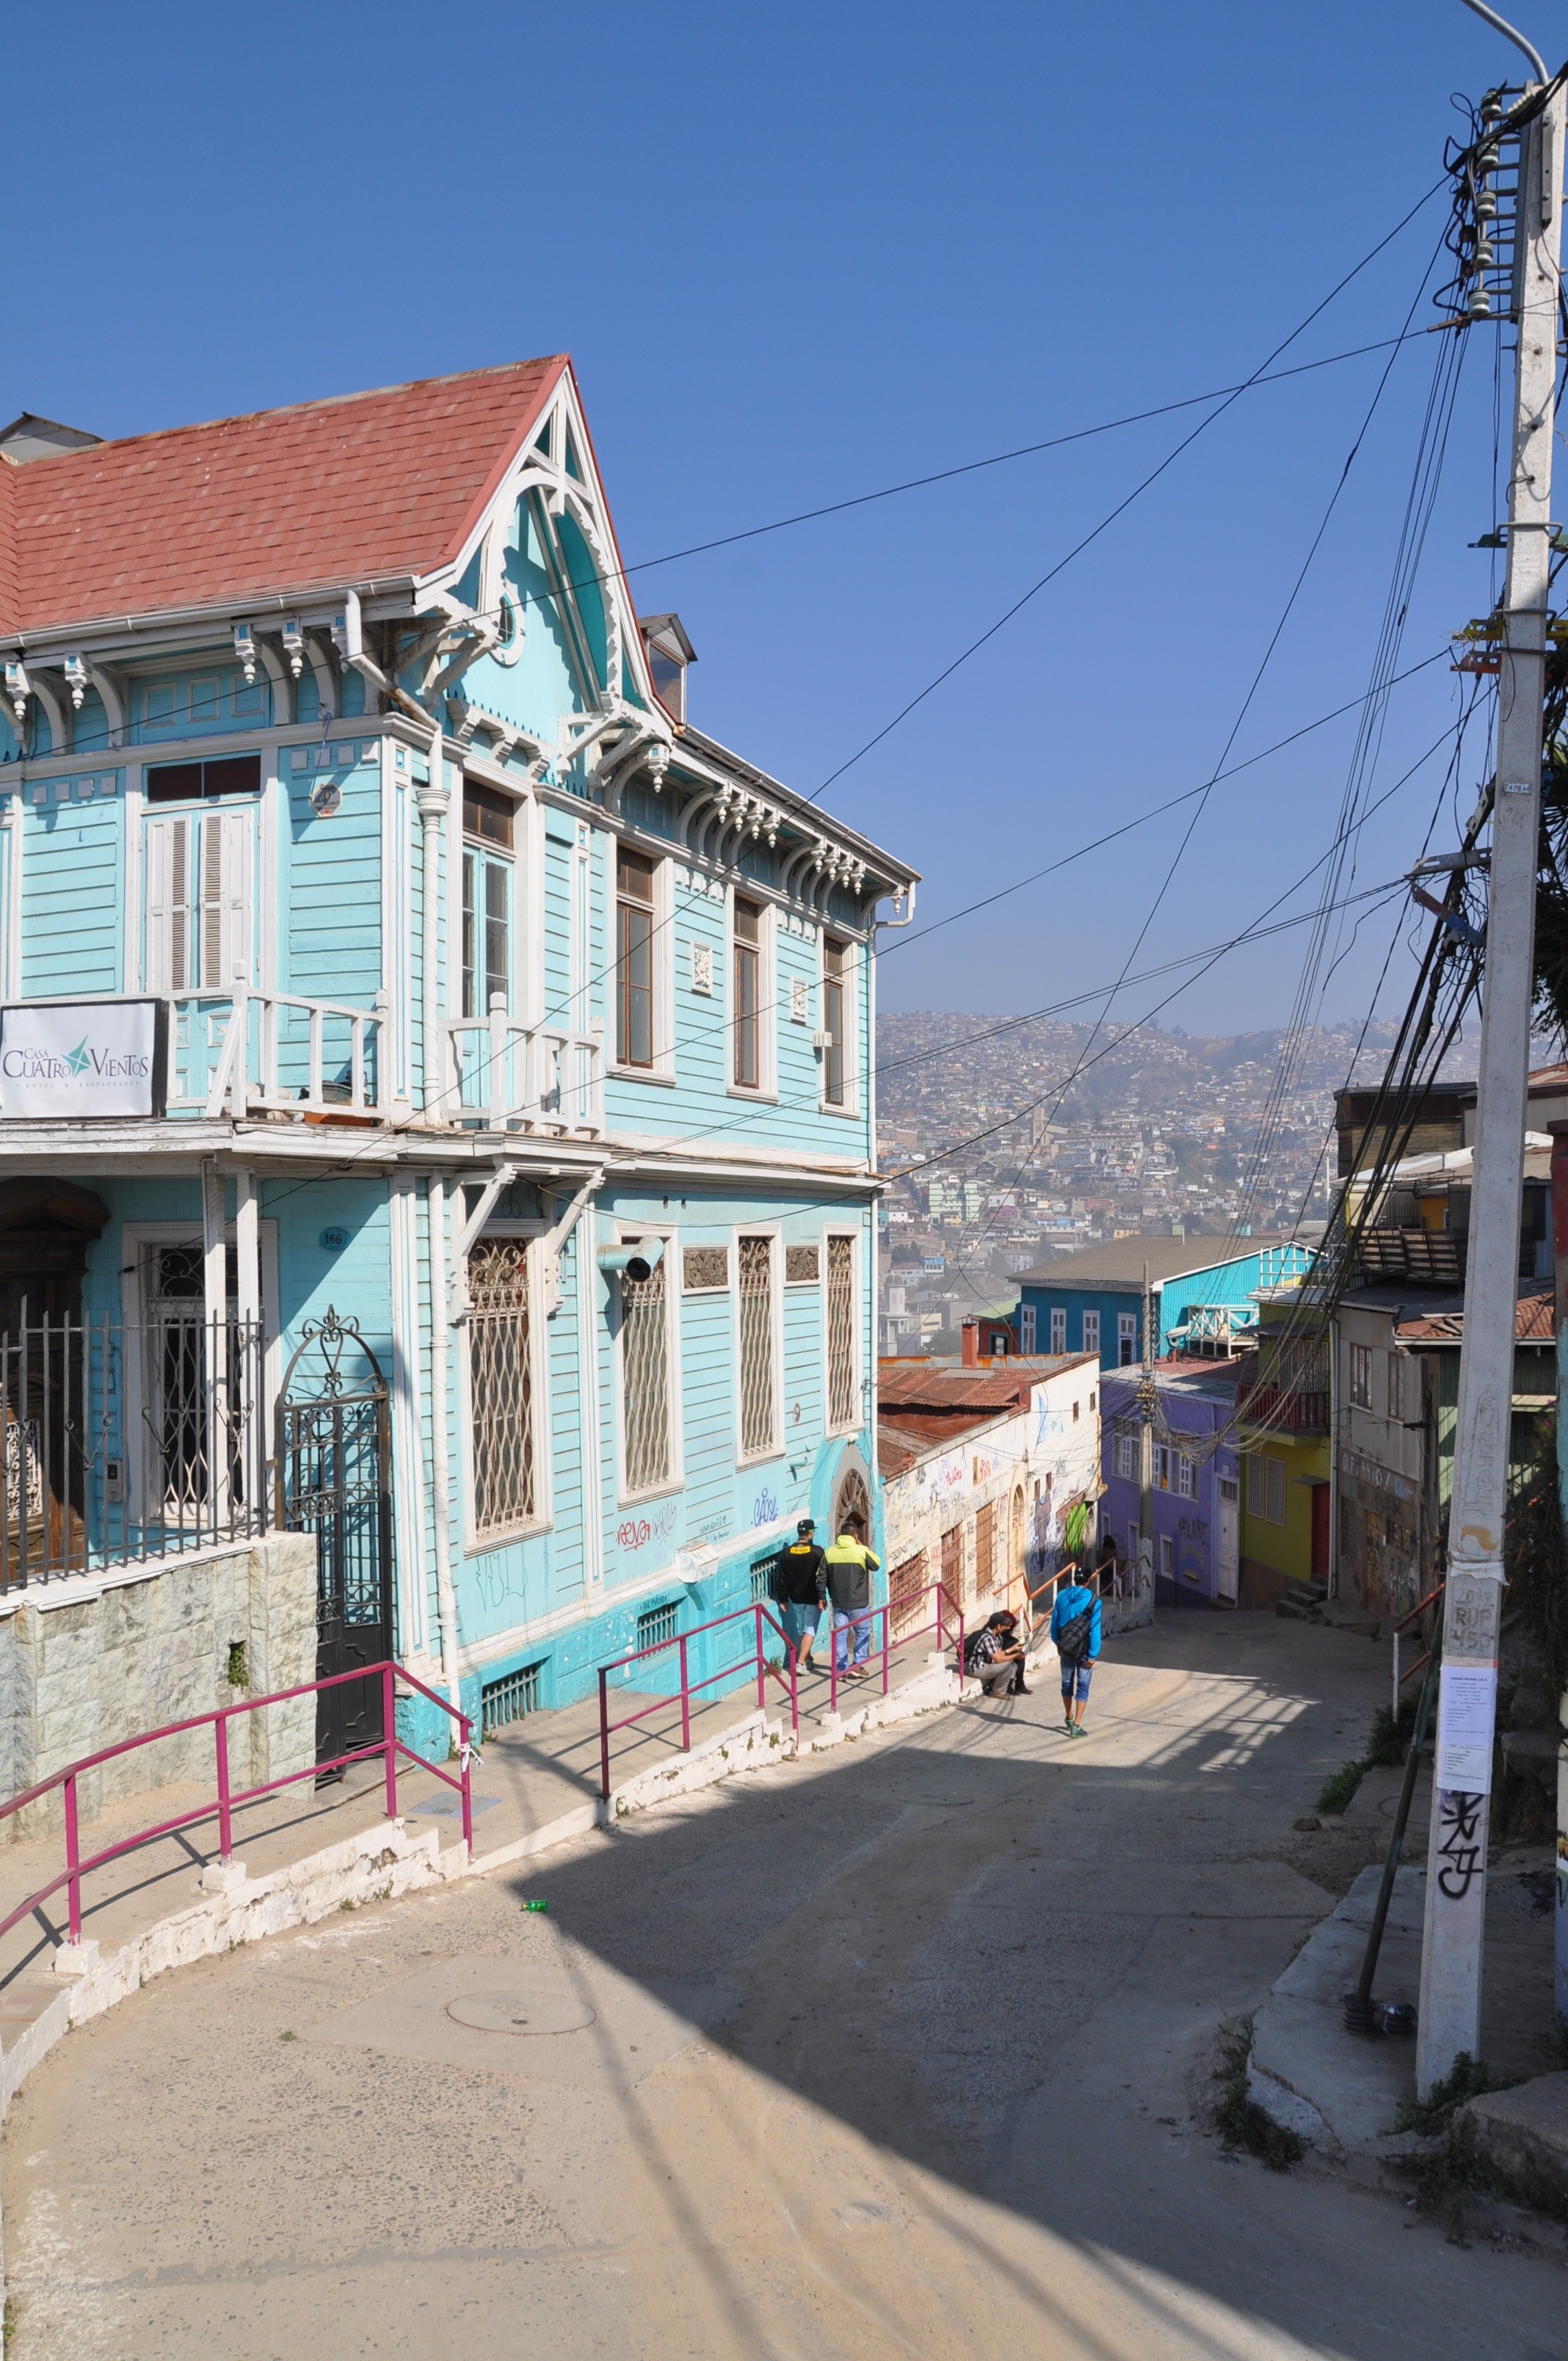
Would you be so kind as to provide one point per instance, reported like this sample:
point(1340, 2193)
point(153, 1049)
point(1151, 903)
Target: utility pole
point(1450, 2021)
point(1145, 1450)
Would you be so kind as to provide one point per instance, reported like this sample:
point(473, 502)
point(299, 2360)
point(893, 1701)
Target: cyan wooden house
point(381, 945)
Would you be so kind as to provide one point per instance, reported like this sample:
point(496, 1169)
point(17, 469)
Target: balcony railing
point(244, 1051)
point(507, 1076)
point(1284, 1410)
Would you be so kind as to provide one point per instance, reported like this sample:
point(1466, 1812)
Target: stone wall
point(89, 1661)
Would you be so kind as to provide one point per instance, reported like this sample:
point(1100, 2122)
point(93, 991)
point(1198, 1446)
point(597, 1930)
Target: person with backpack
point(802, 1591)
point(1075, 1628)
point(993, 1656)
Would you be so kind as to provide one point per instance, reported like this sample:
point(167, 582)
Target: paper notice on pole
point(1466, 1717)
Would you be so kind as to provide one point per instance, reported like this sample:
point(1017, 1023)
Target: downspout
point(432, 799)
point(353, 646)
point(440, 1457)
point(906, 896)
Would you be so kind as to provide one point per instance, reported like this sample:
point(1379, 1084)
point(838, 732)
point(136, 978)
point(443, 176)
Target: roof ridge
point(297, 408)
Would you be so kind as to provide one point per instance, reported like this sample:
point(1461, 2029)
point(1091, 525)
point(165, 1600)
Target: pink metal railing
point(788, 1676)
point(757, 1614)
point(388, 1747)
point(937, 1624)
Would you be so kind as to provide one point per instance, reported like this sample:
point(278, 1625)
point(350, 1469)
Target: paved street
point(903, 2050)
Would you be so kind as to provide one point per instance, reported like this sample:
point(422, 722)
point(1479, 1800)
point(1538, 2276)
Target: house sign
point(82, 1059)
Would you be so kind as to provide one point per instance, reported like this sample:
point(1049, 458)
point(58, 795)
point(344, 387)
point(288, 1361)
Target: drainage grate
point(508, 1700)
point(657, 1624)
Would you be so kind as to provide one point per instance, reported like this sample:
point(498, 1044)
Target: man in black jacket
point(803, 1591)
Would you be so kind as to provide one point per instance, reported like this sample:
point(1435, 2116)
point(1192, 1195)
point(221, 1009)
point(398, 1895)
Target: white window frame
point(1091, 1330)
point(240, 818)
point(857, 1374)
point(134, 1237)
point(1127, 1459)
point(1028, 1318)
point(763, 1230)
point(1360, 1379)
point(475, 1544)
point(661, 1071)
point(1058, 1328)
point(1127, 1333)
point(625, 1232)
point(767, 1084)
point(849, 978)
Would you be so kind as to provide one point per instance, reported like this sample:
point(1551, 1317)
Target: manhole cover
point(518, 2012)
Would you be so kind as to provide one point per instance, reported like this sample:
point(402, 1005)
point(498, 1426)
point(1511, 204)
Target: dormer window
point(669, 653)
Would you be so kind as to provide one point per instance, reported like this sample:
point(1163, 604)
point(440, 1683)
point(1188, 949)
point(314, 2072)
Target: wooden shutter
point(225, 898)
point(167, 960)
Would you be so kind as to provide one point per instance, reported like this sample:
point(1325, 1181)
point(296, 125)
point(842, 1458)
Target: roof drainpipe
point(354, 644)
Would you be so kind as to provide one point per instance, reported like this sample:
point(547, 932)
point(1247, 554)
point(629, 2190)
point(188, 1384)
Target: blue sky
point(800, 252)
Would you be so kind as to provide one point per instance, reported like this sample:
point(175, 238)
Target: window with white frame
point(633, 960)
point(759, 1414)
point(1026, 1328)
point(835, 1004)
point(1126, 1339)
point(500, 1386)
point(1361, 1375)
point(1185, 1477)
point(1058, 1328)
point(1092, 1331)
point(1127, 1457)
point(198, 899)
point(487, 823)
point(843, 1389)
point(646, 1449)
point(746, 972)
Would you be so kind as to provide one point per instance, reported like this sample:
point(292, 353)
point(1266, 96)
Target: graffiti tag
point(1459, 1819)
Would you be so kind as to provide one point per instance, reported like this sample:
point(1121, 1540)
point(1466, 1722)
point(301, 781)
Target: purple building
point(1197, 1494)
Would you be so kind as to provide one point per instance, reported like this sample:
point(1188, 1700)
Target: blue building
point(435, 1078)
point(1202, 1291)
point(1195, 1479)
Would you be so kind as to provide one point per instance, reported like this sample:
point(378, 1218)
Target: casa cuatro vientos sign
point(89, 1057)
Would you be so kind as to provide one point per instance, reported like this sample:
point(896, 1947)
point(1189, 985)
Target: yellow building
point(1284, 1424)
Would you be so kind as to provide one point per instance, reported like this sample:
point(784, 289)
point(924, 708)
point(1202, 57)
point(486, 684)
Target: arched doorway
point(851, 1496)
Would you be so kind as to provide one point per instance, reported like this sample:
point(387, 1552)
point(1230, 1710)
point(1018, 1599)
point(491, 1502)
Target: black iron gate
point(334, 1479)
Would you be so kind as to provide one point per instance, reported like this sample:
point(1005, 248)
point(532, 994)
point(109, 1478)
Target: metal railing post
point(465, 1767)
point(389, 1736)
point(795, 1691)
point(72, 1857)
point(686, 1703)
point(761, 1669)
point(604, 1734)
point(226, 1818)
point(887, 1614)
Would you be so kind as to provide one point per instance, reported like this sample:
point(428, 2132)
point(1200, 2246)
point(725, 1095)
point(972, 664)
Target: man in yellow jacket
point(850, 1567)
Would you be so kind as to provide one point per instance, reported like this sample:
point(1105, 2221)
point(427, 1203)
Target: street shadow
point(996, 1956)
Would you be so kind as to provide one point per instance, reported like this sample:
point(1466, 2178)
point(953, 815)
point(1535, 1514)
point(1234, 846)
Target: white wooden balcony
point(507, 1076)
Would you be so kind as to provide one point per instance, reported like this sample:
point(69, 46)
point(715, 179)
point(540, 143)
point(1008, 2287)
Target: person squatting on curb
point(1075, 1628)
point(850, 1566)
point(803, 1591)
point(994, 1656)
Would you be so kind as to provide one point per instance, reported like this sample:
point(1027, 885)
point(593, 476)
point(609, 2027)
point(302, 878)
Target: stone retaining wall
point(89, 1661)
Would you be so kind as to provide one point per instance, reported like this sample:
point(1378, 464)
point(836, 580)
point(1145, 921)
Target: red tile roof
point(350, 490)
